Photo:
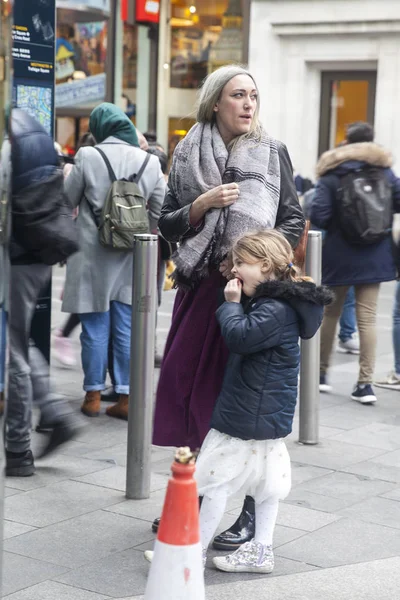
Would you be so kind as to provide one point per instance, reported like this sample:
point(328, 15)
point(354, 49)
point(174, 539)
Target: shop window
point(177, 129)
point(205, 35)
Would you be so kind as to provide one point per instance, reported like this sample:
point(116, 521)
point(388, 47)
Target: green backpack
point(124, 213)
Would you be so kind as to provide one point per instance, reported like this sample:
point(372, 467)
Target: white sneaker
point(391, 382)
point(63, 350)
point(350, 346)
point(251, 557)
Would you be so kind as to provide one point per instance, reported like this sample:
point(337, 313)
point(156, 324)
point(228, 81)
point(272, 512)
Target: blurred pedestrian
point(98, 286)
point(228, 177)
point(63, 348)
point(41, 236)
point(354, 202)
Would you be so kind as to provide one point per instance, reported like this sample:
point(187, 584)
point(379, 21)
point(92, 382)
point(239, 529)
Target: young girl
point(245, 449)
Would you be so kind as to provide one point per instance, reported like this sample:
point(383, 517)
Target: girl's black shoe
point(242, 530)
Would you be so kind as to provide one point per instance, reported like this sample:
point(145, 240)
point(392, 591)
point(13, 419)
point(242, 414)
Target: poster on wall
point(33, 58)
point(80, 63)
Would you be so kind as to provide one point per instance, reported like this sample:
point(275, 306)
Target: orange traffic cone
point(176, 571)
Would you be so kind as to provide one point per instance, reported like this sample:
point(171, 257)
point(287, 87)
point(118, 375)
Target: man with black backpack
point(355, 199)
point(43, 233)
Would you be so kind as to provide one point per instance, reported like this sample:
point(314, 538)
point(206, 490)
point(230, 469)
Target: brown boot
point(119, 410)
point(91, 404)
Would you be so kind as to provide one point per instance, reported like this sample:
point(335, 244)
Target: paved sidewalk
point(70, 534)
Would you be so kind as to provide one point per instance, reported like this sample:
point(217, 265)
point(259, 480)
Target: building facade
point(321, 64)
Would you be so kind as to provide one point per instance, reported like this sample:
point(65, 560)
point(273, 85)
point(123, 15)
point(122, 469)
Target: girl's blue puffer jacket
point(259, 391)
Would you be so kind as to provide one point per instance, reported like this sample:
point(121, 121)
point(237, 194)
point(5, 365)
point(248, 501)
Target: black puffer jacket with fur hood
point(259, 391)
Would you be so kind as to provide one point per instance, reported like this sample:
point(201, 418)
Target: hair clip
point(290, 265)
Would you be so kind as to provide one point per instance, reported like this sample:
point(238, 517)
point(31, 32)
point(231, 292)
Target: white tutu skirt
point(228, 465)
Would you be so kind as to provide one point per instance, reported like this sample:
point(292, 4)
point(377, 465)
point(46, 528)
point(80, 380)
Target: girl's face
point(236, 106)
point(250, 274)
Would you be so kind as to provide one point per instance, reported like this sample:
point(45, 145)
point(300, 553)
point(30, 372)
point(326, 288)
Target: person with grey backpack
point(119, 189)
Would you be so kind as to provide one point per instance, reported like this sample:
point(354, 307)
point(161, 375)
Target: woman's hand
point(233, 290)
point(219, 197)
point(225, 268)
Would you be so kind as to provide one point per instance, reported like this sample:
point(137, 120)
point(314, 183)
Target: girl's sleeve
point(246, 334)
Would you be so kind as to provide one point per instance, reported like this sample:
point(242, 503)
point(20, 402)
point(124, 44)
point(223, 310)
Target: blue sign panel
point(33, 57)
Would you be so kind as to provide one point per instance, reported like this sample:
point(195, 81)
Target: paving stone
point(51, 590)
point(122, 574)
point(306, 519)
point(346, 541)
point(375, 470)
point(11, 529)
point(58, 502)
point(315, 501)
point(373, 435)
point(115, 478)
point(390, 459)
point(10, 492)
point(332, 454)
point(302, 472)
point(346, 486)
point(55, 468)
point(382, 511)
point(393, 494)
point(81, 540)
point(20, 572)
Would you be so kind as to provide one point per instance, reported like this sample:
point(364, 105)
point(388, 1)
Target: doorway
point(346, 96)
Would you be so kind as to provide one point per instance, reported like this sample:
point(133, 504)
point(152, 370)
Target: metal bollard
point(144, 308)
point(310, 358)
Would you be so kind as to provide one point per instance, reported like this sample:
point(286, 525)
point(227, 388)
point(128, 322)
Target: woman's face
point(236, 107)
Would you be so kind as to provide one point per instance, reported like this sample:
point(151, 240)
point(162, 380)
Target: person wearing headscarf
point(99, 280)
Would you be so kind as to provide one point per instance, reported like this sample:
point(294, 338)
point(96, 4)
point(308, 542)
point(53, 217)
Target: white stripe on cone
point(176, 573)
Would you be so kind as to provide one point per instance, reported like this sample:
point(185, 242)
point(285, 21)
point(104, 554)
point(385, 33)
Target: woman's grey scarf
point(202, 162)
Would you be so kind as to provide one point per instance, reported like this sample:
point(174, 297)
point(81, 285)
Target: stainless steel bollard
point(144, 309)
point(310, 358)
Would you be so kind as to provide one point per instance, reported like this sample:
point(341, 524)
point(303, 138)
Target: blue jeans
point(396, 329)
point(348, 321)
point(97, 328)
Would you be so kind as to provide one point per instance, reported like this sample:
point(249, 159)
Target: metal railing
point(310, 357)
point(144, 310)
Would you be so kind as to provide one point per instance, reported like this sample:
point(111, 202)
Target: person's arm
point(174, 222)
point(289, 219)
point(321, 210)
point(246, 334)
point(156, 198)
point(74, 184)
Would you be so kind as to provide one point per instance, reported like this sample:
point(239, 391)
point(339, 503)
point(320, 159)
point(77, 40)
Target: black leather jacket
point(174, 221)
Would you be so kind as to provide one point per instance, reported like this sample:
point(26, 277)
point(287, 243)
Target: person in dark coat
point(34, 160)
point(245, 450)
point(345, 264)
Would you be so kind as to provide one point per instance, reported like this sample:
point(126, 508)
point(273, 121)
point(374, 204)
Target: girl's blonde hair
point(273, 249)
point(211, 91)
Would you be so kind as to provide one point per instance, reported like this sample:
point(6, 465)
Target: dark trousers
point(29, 377)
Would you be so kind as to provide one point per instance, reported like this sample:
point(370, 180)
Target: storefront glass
point(205, 34)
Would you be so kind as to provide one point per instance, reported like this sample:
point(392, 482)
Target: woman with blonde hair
point(228, 177)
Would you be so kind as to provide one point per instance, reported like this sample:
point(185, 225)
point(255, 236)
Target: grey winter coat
point(97, 275)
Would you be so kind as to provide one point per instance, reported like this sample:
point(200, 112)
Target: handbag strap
point(108, 165)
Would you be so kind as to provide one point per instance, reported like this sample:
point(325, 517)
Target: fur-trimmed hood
point(304, 297)
point(365, 152)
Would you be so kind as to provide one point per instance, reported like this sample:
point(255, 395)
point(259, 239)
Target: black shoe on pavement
point(109, 395)
point(19, 464)
point(61, 432)
point(155, 525)
point(242, 530)
point(158, 358)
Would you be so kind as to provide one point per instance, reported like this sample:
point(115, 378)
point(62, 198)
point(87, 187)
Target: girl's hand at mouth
point(233, 290)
